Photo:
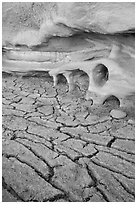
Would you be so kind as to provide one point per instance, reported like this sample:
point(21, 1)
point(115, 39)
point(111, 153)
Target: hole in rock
point(81, 78)
point(100, 75)
point(61, 79)
point(112, 100)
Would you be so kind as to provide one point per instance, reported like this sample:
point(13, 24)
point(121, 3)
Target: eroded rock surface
point(70, 36)
point(58, 147)
point(31, 23)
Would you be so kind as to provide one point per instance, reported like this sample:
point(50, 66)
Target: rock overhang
point(32, 23)
point(71, 33)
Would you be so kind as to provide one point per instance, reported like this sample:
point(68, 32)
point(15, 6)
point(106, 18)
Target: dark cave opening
point(100, 74)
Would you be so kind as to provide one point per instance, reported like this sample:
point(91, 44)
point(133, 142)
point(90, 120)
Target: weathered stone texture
point(31, 23)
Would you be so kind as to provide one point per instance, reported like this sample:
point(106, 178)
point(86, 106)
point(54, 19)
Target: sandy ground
point(59, 147)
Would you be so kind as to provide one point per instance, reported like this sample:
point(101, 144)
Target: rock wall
point(33, 23)
point(97, 38)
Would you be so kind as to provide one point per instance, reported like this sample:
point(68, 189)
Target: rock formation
point(97, 38)
point(31, 23)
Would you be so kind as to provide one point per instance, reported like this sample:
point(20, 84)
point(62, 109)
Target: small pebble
point(118, 114)
point(131, 122)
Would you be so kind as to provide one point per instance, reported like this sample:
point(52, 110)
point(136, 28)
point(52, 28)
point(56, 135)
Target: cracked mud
point(58, 147)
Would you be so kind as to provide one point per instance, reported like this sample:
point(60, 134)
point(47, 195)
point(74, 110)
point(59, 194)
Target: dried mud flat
point(58, 147)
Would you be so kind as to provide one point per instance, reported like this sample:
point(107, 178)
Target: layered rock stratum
point(47, 36)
